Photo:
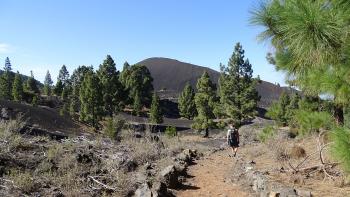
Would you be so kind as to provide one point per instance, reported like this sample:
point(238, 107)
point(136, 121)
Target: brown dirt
point(210, 177)
point(213, 175)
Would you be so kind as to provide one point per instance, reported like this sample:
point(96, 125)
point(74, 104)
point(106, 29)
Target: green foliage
point(63, 76)
point(156, 111)
point(267, 133)
point(32, 85)
point(17, 88)
point(91, 100)
point(311, 44)
point(137, 107)
point(312, 121)
point(279, 110)
point(58, 88)
point(341, 145)
point(64, 109)
point(6, 80)
point(114, 126)
point(187, 105)
point(137, 80)
point(111, 87)
point(73, 106)
point(171, 131)
point(47, 84)
point(34, 100)
point(76, 81)
point(65, 93)
point(238, 93)
point(205, 100)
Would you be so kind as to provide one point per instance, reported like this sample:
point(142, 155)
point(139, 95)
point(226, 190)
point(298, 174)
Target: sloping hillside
point(41, 117)
point(172, 75)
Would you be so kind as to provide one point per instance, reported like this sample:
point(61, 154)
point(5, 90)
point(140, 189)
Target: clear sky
point(43, 35)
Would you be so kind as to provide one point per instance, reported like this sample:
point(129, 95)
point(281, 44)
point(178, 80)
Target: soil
point(210, 177)
point(216, 174)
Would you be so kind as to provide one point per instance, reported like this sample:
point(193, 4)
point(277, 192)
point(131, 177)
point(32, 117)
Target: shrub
point(312, 121)
point(23, 180)
point(267, 133)
point(341, 146)
point(114, 126)
point(170, 131)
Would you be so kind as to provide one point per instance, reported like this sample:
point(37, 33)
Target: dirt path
point(210, 177)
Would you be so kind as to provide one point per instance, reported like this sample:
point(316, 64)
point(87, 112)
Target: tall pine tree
point(31, 85)
point(238, 93)
point(17, 88)
point(137, 80)
point(62, 82)
point(48, 84)
point(205, 99)
point(6, 80)
point(187, 105)
point(156, 112)
point(137, 105)
point(63, 75)
point(91, 100)
point(111, 87)
point(76, 81)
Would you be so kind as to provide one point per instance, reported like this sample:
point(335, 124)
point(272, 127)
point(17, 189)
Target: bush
point(23, 180)
point(170, 132)
point(341, 146)
point(312, 121)
point(267, 133)
point(113, 127)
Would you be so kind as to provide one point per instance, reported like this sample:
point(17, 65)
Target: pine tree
point(8, 66)
point(187, 105)
point(47, 84)
point(76, 81)
point(137, 106)
point(66, 92)
point(6, 80)
point(238, 93)
point(17, 88)
point(156, 112)
point(310, 40)
point(32, 84)
point(63, 76)
point(205, 99)
point(58, 88)
point(91, 100)
point(137, 80)
point(111, 87)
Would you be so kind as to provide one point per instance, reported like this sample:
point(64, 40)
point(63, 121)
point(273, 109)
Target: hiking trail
point(210, 177)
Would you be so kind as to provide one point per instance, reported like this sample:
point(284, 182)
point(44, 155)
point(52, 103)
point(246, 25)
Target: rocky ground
point(151, 165)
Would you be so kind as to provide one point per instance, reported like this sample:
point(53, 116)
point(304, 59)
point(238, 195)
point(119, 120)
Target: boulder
point(159, 190)
point(170, 177)
point(143, 191)
point(303, 193)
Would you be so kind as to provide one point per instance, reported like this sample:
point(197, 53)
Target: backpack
point(232, 135)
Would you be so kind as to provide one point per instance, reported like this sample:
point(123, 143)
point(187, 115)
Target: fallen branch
point(102, 184)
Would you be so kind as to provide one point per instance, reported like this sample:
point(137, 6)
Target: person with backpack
point(233, 138)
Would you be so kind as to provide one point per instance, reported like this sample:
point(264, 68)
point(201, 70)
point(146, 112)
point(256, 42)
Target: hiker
point(233, 138)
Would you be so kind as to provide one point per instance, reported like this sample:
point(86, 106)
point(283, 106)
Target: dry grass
point(278, 154)
point(297, 152)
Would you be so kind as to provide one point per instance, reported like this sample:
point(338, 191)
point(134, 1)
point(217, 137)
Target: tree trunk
point(339, 114)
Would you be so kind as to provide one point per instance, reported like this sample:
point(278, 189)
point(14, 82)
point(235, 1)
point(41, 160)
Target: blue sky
point(43, 35)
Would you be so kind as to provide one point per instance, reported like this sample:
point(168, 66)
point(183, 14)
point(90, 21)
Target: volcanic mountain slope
point(172, 75)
